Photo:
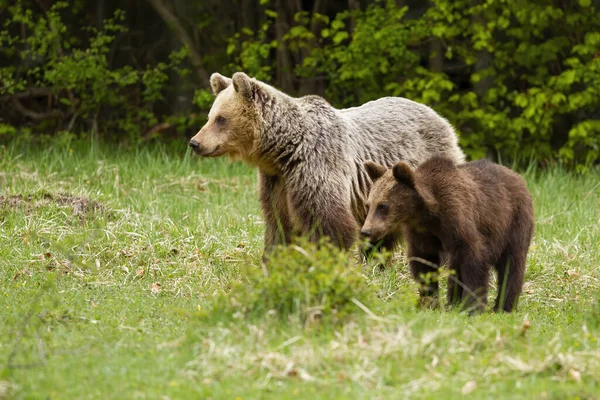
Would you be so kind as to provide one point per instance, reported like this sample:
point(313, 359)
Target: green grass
point(110, 259)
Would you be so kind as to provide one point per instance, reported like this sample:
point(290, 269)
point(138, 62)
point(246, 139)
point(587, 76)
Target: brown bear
point(475, 215)
point(310, 155)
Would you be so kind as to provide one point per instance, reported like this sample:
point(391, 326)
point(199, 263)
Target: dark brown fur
point(475, 215)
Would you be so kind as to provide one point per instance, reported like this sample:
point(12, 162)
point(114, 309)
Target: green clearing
point(109, 259)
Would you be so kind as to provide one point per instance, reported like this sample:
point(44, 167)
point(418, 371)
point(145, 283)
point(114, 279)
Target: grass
point(109, 260)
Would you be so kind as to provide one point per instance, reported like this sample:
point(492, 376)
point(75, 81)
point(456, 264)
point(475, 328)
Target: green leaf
point(339, 37)
point(337, 24)
point(271, 14)
point(231, 48)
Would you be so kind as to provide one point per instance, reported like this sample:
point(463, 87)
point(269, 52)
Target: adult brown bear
point(310, 155)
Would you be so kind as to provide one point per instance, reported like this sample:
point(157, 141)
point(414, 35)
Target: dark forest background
point(517, 78)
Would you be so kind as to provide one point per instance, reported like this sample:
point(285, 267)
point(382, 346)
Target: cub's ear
point(219, 83)
point(374, 170)
point(243, 85)
point(404, 174)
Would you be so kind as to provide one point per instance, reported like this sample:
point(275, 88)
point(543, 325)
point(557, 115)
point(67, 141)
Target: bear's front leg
point(322, 210)
point(273, 200)
point(473, 277)
point(423, 254)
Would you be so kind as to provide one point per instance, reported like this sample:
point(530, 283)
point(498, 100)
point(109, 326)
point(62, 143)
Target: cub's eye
point(220, 120)
point(382, 208)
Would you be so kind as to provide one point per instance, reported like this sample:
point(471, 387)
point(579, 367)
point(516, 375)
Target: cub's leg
point(474, 275)
point(513, 263)
point(423, 254)
point(454, 289)
point(511, 276)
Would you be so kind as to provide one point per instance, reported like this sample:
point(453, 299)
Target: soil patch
point(81, 206)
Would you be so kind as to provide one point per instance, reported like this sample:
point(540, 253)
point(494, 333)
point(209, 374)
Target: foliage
point(358, 63)
point(78, 77)
point(305, 280)
point(255, 52)
point(518, 77)
point(541, 88)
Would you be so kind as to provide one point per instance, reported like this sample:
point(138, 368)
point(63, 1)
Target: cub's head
point(394, 200)
point(233, 120)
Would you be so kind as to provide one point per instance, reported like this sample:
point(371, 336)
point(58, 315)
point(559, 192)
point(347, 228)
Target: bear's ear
point(404, 174)
point(243, 85)
point(374, 170)
point(219, 83)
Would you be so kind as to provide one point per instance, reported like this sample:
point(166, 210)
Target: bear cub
point(473, 216)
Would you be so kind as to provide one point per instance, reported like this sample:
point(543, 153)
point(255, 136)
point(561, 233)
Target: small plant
point(593, 315)
point(306, 280)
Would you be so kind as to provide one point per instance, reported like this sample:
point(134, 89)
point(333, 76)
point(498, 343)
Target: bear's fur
point(310, 155)
point(475, 215)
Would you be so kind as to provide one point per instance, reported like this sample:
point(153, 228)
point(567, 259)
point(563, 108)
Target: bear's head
point(395, 200)
point(233, 120)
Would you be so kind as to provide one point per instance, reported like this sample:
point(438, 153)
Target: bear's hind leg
point(339, 225)
point(321, 211)
point(333, 221)
point(513, 263)
point(511, 275)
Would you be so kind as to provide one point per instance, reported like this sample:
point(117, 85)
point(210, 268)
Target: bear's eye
point(367, 208)
point(382, 208)
point(220, 120)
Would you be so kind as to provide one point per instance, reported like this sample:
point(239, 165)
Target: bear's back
point(491, 176)
point(392, 113)
point(391, 129)
point(489, 194)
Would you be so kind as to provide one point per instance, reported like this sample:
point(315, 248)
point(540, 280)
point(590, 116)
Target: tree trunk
point(284, 64)
point(483, 61)
point(175, 25)
point(436, 55)
point(100, 13)
point(436, 52)
point(180, 98)
point(314, 84)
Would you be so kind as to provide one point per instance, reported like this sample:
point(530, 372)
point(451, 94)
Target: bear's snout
point(365, 233)
point(194, 144)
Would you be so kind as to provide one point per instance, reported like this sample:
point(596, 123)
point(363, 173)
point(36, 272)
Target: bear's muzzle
point(194, 145)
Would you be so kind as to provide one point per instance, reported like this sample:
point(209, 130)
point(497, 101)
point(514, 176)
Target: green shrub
point(83, 90)
point(519, 78)
point(303, 280)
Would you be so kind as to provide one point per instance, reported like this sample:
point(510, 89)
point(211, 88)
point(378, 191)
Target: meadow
point(110, 261)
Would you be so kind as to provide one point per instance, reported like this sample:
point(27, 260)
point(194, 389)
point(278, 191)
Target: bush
point(303, 280)
point(73, 77)
point(517, 78)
